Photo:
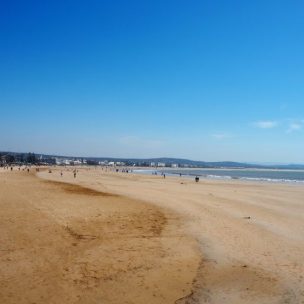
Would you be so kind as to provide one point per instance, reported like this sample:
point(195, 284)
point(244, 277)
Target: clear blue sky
point(205, 80)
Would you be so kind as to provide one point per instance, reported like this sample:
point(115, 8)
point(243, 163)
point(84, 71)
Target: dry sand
point(108, 237)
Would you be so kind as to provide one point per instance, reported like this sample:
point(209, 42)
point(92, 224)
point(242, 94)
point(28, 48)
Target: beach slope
point(63, 243)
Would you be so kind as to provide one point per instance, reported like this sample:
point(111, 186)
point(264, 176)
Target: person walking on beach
point(74, 173)
point(61, 173)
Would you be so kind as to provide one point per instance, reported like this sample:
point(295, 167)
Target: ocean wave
point(257, 179)
point(273, 180)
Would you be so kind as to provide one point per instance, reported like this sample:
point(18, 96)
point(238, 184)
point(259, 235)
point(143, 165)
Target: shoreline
point(208, 177)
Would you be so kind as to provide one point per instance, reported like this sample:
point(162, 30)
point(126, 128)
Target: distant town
point(12, 158)
point(15, 158)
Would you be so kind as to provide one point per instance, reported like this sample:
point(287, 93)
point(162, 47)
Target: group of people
point(74, 173)
point(164, 175)
point(11, 168)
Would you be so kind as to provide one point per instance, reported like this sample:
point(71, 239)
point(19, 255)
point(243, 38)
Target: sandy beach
point(107, 237)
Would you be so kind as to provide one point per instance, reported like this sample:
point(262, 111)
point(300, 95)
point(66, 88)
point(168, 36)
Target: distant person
point(164, 175)
point(28, 170)
point(74, 174)
point(61, 173)
point(196, 179)
point(11, 168)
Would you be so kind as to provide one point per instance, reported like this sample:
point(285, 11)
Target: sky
point(203, 80)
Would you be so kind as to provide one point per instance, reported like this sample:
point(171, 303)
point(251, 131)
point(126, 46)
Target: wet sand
point(123, 238)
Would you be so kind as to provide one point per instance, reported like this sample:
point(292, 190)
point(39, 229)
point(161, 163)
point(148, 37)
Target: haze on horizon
point(208, 81)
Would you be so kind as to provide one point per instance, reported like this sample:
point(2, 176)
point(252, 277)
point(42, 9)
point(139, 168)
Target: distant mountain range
point(170, 161)
point(202, 164)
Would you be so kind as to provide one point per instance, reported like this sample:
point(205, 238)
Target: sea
point(263, 175)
